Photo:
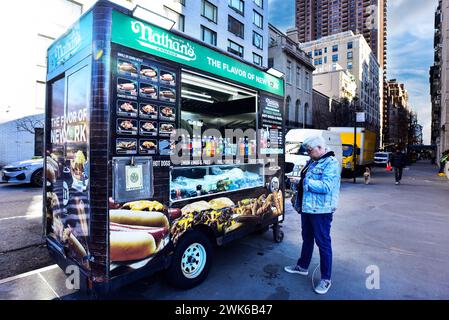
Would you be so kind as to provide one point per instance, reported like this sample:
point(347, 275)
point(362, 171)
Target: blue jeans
point(316, 228)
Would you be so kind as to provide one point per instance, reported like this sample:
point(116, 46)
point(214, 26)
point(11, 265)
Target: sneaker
point(396, 183)
point(323, 286)
point(296, 269)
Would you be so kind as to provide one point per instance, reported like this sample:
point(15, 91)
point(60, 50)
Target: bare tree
point(29, 124)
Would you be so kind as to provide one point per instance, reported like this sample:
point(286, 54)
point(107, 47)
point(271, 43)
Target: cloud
point(411, 16)
point(410, 53)
point(282, 14)
point(410, 28)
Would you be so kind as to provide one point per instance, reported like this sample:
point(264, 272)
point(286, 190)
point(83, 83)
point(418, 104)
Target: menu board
point(145, 105)
point(271, 133)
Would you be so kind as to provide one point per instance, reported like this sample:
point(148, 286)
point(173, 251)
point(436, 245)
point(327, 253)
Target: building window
point(298, 77)
point(350, 45)
point(334, 57)
point(289, 72)
point(349, 54)
point(287, 108)
point(270, 62)
point(310, 54)
point(177, 17)
point(297, 108)
point(257, 40)
point(209, 11)
point(258, 19)
point(257, 59)
point(325, 50)
point(183, 2)
point(236, 27)
point(307, 81)
point(208, 36)
point(38, 142)
point(235, 48)
point(238, 6)
point(306, 108)
point(325, 59)
point(259, 3)
point(350, 65)
point(335, 48)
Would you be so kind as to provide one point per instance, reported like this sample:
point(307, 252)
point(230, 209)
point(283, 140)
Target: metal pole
point(355, 145)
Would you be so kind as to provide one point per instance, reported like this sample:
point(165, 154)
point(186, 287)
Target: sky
point(410, 25)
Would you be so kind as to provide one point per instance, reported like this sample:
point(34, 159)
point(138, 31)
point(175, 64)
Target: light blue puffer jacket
point(321, 186)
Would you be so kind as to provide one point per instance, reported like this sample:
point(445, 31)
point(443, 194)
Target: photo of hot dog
point(137, 235)
point(158, 233)
point(52, 170)
point(167, 113)
point(75, 246)
point(127, 87)
point(138, 218)
point(149, 72)
point(167, 78)
point(148, 91)
point(128, 246)
point(167, 94)
point(124, 67)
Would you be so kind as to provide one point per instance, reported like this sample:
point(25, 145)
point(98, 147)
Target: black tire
point(278, 234)
point(37, 179)
point(279, 237)
point(176, 273)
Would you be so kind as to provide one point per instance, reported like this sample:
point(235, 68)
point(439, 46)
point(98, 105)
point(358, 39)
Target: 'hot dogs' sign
point(71, 128)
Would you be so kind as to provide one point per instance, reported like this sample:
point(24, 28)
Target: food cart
point(158, 148)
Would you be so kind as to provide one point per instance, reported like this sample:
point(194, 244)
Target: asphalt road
point(21, 243)
point(399, 232)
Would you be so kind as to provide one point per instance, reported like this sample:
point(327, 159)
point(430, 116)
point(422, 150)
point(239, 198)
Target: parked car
point(28, 171)
point(381, 158)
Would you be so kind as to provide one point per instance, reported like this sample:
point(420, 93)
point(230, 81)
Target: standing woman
point(317, 198)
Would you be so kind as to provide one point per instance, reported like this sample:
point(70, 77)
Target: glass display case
point(194, 182)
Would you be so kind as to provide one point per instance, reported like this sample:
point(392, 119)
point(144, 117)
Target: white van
point(296, 155)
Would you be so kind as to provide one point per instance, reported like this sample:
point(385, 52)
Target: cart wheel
point(278, 234)
point(191, 261)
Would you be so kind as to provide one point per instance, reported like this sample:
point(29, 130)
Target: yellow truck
point(365, 143)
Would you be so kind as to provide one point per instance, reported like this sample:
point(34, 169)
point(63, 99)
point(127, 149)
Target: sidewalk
point(43, 284)
point(402, 230)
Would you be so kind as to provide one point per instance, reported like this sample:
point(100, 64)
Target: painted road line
point(18, 217)
point(51, 288)
point(27, 274)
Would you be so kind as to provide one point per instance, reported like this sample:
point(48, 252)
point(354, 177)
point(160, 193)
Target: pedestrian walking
point(317, 195)
point(398, 161)
point(443, 160)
